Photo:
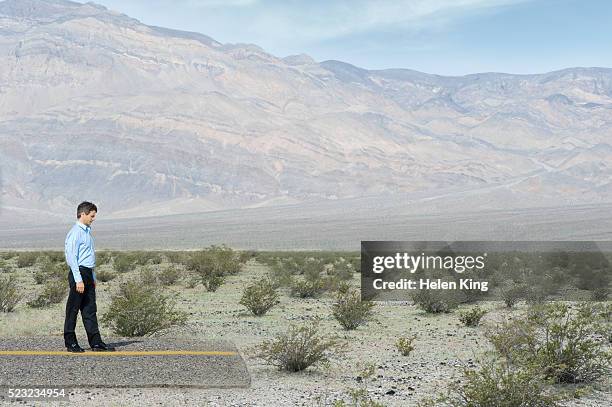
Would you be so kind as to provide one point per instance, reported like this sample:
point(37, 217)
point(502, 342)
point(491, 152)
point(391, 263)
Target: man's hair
point(85, 207)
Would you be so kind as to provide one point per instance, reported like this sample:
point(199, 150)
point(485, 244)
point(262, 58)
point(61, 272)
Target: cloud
point(291, 26)
point(314, 20)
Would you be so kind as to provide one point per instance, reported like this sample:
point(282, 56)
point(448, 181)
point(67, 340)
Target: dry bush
point(307, 288)
point(567, 346)
point(103, 257)
point(497, 385)
point(435, 302)
point(26, 259)
point(123, 262)
point(259, 297)
point(8, 255)
point(512, 293)
point(105, 275)
point(47, 269)
point(148, 276)
point(9, 294)
point(301, 347)
point(405, 344)
point(139, 310)
point(213, 264)
point(54, 291)
point(600, 294)
point(169, 275)
point(54, 256)
point(350, 311)
point(472, 316)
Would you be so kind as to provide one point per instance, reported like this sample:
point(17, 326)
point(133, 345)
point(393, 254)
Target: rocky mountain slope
point(96, 105)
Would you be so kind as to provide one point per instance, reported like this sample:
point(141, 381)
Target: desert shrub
point(53, 255)
point(356, 263)
point(565, 345)
point(293, 265)
point(600, 294)
point(213, 263)
point(212, 281)
point(148, 277)
point(312, 268)
point(301, 347)
point(53, 292)
point(105, 275)
point(338, 273)
point(536, 295)
point(307, 288)
point(343, 287)
point(283, 272)
point(405, 344)
point(153, 258)
point(280, 275)
point(176, 257)
point(246, 255)
point(435, 302)
point(8, 255)
point(350, 311)
point(141, 257)
point(103, 257)
point(218, 260)
point(5, 267)
point(498, 385)
point(259, 297)
point(26, 259)
point(472, 316)
point(49, 270)
point(123, 262)
point(169, 275)
point(311, 282)
point(512, 293)
point(9, 294)
point(40, 276)
point(342, 269)
point(139, 310)
point(137, 257)
point(606, 317)
point(590, 278)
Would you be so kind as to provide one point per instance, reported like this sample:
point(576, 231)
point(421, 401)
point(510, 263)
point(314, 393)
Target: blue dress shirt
point(79, 250)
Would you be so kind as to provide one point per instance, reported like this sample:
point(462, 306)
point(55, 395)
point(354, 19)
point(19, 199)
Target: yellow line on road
point(116, 353)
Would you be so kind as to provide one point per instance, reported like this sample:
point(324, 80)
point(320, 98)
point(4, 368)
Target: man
point(81, 257)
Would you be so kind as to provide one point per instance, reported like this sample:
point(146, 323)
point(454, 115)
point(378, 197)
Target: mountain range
point(146, 120)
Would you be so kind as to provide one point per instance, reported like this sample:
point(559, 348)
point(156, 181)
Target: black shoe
point(75, 348)
point(102, 347)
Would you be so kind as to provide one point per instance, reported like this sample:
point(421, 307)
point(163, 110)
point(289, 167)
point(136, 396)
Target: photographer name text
point(430, 284)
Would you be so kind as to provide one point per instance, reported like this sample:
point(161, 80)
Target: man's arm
point(71, 250)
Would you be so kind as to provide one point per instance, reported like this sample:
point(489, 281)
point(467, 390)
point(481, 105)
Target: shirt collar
point(84, 227)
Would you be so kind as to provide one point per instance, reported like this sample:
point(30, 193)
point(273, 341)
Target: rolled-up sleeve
point(71, 250)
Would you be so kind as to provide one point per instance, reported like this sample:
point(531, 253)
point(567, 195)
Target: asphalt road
point(140, 362)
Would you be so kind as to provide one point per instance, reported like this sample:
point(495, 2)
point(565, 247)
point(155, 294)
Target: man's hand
point(80, 287)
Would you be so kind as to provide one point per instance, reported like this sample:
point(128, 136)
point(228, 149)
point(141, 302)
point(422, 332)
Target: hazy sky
point(449, 37)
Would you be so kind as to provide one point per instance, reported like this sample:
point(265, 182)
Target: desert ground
point(442, 349)
point(339, 225)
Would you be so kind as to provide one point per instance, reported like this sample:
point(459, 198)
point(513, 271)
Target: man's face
point(87, 219)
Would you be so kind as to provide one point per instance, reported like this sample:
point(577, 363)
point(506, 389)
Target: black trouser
point(86, 303)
